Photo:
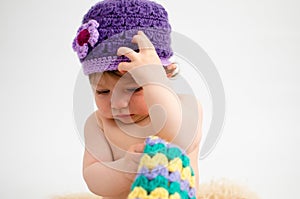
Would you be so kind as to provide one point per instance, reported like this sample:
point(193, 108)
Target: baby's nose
point(119, 102)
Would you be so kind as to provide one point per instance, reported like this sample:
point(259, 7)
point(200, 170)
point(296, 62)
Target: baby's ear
point(172, 70)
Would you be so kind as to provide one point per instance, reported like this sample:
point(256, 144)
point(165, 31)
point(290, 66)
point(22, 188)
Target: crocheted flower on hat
point(87, 35)
point(110, 24)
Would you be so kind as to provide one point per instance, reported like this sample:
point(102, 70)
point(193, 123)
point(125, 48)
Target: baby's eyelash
point(99, 92)
point(135, 89)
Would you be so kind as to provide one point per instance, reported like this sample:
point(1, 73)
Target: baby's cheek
point(138, 104)
point(103, 107)
point(105, 112)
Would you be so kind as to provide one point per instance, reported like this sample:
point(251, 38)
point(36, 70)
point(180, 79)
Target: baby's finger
point(128, 52)
point(139, 148)
point(136, 148)
point(142, 41)
point(124, 66)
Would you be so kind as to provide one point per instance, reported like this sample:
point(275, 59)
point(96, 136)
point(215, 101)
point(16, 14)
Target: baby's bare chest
point(120, 139)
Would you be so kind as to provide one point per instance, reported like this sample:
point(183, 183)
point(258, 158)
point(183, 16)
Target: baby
point(124, 47)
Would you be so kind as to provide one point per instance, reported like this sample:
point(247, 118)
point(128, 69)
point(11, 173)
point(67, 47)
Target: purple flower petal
point(82, 51)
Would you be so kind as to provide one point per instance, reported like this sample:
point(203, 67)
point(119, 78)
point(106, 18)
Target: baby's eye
point(102, 92)
point(134, 89)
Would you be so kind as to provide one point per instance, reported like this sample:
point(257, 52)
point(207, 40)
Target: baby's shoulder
point(93, 121)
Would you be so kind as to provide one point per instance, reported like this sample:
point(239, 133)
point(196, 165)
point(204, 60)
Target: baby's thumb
point(134, 154)
point(124, 51)
point(124, 67)
point(139, 148)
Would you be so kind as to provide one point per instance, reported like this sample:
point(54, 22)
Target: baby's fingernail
point(122, 72)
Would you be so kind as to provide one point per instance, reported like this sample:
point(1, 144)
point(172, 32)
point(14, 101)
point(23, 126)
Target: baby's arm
point(146, 69)
point(98, 165)
point(194, 147)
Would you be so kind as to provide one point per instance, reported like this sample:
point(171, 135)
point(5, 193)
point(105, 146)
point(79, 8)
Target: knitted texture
point(111, 24)
point(164, 172)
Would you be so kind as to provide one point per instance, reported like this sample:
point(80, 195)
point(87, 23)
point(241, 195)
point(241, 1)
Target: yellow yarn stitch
point(159, 193)
point(150, 163)
point(175, 165)
point(174, 196)
point(144, 160)
point(186, 173)
point(153, 137)
point(160, 159)
point(192, 181)
point(137, 192)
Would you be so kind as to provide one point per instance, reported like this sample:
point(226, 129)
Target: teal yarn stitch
point(185, 160)
point(174, 187)
point(159, 181)
point(183, 195)
point(140, 181)
point(154, 149)
point(173, 153)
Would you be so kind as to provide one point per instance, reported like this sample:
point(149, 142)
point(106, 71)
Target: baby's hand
point(146, 55)
point(132, 159)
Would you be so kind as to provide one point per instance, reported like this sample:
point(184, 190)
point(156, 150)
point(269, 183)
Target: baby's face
point(124, 102)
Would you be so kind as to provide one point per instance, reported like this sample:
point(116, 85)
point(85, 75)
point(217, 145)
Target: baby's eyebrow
point(130, 84)
point(101, 83)
point(98, 85)
point(128, 81)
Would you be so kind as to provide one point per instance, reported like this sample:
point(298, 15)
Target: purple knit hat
point(111, 24)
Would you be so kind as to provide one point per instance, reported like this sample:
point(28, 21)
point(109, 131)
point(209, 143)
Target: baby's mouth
point(123, 115)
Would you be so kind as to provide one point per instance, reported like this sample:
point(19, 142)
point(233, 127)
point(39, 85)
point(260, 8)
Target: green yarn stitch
point(185, 160)
point(192, 171)
point(152, 150)
point(173, 153)
point(159, 181)
point(183, 195)
point(140, 181)
point(174, 187)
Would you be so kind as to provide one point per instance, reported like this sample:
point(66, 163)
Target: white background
point(254, 45)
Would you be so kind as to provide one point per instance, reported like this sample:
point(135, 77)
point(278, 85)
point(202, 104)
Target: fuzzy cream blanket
point(220, 189)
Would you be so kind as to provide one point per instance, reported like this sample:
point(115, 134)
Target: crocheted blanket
point(164, 172)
